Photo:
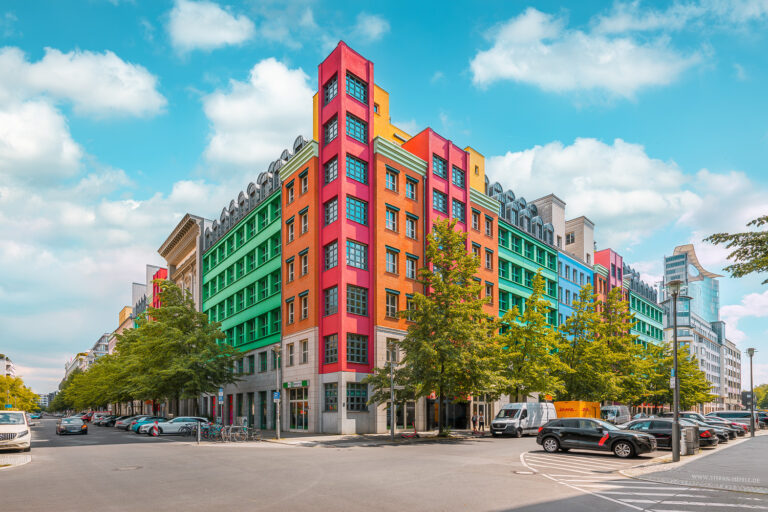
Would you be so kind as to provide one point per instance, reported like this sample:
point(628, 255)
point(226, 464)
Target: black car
point(593, 434)
point(709, 420)
point(111, 421)
point(71, 425)
point(716, 431)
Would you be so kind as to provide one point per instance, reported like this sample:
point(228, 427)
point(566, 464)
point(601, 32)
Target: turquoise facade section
point(241, 272)
point(648, 319)
point(520, 257)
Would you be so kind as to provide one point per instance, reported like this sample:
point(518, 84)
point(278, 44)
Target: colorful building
point(643, 303)
point(573, 275)
point(183, 252)
point(609, 268)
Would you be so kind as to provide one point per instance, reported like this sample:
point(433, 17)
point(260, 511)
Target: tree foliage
point(174, 352)
point(14, 392)
point(749, 249)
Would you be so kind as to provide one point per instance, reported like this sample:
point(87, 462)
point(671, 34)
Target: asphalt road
point(113, 470)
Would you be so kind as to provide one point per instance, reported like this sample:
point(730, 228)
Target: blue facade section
point(573, 275)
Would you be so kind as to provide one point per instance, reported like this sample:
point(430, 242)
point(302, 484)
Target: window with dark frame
point(331, 346)
point(357, 348)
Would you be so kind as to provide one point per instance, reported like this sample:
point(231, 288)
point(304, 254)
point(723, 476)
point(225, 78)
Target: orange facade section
point(301, 258)
point(399, 240)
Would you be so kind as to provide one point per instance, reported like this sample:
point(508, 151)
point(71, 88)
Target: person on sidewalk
point(481, 420)
point(474, 422)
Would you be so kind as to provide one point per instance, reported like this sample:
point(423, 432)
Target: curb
point(664, 464)
point(14, 461)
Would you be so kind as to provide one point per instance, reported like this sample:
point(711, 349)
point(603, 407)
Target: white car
point(172, 426)
point(14, 431)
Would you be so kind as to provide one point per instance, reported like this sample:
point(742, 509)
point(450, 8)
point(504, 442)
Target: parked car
point(36, 415)
point(592, 434)
point(616, 414)
point(86, 416)
point(14, 431)
point(125, 423)
point(732, 431)
point(522, 418)
point(110, 422)
point(72, 425)
point(719, 432)
point(739, 416)
point(135, 424)
point(172, 426)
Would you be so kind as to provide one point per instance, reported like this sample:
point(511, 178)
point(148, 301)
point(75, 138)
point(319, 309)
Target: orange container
point(577, 409)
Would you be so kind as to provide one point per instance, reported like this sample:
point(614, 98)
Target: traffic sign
point(8, 406)
point(672, 382)
point(221, 394)
point(275, 396)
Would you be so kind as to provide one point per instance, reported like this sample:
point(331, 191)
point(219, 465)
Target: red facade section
point(161, 274)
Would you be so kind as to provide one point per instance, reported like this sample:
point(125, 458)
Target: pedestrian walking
point(474, 422)
point(481, 420)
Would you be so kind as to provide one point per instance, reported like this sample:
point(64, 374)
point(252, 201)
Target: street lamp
point(674, 289)
point(751, 352)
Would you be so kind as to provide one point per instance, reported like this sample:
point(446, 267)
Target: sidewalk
point(736, 466)
point(305, 439)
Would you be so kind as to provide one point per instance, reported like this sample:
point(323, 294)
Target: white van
point(522, 418)
point(616, 414)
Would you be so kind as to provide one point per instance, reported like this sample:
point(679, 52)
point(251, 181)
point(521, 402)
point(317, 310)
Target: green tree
point(62, 401)
point(451, 347)
point(530, 360)
point(14, 392)
point(695, 389)
point(174, 352)
point(750, 249)
point(585, 375)
point(761, 396)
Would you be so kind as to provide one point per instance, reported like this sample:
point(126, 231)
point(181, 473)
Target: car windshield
point(607, 426)
point(508, 413)
point(72, 421)
point(11, 418)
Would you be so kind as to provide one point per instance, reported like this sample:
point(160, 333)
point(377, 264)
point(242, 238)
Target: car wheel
point(519, 433)
point(550, 444)
point(159, 431)
point(623, 449)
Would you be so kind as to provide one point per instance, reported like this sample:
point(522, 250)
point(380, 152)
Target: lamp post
point(751, 352)
point(674, 289)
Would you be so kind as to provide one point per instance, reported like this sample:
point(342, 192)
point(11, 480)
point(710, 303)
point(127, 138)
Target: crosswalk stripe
point(577, 463)
point(601, 460)
point(593, 493)
point(562, 468)
point(710, 504)
point(675, 494)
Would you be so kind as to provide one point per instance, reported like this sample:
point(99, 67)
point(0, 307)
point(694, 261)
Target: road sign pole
point(751, 352)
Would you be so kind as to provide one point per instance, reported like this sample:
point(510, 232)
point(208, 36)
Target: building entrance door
point(298, 399)
point(251, 409)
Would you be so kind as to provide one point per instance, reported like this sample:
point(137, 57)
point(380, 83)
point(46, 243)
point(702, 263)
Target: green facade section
point(648, 319)
point(241, 278)
point(520, 257)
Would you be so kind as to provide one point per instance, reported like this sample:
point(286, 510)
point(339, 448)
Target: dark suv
point(593, 434)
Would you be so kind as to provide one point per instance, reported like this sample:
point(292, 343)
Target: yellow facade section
point(124, 315)
point(476, 170)
point(315, 115)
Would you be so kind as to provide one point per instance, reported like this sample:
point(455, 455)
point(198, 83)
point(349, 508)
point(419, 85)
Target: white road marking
point(710, 504)
point(593, 493)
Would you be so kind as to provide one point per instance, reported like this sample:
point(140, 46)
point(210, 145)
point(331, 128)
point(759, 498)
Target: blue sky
point(117, 117)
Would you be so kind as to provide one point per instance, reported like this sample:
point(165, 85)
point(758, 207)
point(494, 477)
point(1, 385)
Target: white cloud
point(370, 27)
point(741, 73)
point(253, 121)
point(35, 143)
point(752, 305)
point(539, 49)
point(97, 84)
point(624, 191)
point(206, 26)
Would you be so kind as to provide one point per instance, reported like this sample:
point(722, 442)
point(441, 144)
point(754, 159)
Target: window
point(331, 209)
point(357, 255)
point(575, 275)
point(331, 397)
point(567, 271)
point(477, 170)
point(357, 396)
point(289, 313)
point(476, 221)
point(357, 169)
point(331, 301)
point(357, 210)
point(251, 364)
point(304, 222)
point(357, 88)
point(330, 130)
point(330, 89)
point(331, 255)
point(476, 251)
point(457, 177)
point(489, 292)
point(357, 348)
point(410, 188)
point(440, 201)
point(488, 260)
point(410, 228)
point(410, 267)
point(304, 351)
point(331, 170)
point(331, 343)
point(263, 361)
point(439, 167)
point(305, 307)
point(357, 300)
point(391, 181)
point(567, 296)
point(289, 270)
point(488, 227)
point(290, 354)
point(391, 259)
point(391, 305)
point(304, 264)
point(570, 238)
point(391, 219)
point(357, 128)
point(459, 211)
point(410, 307)
point(589, 257)
point(240, 366)
point(375, 108)
point(529, 250)
point(289, 191)
point(304, 184)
